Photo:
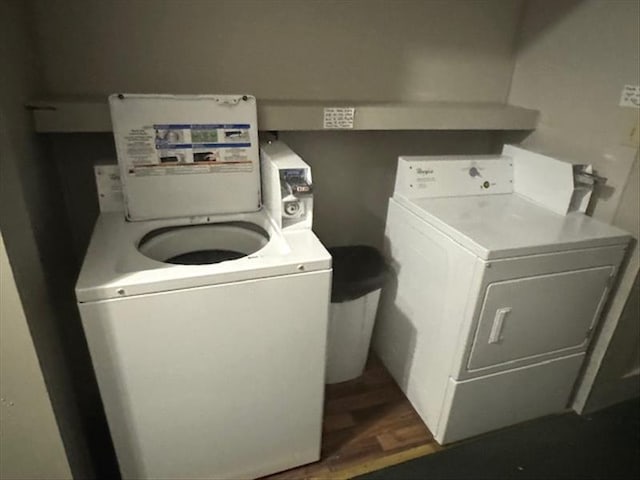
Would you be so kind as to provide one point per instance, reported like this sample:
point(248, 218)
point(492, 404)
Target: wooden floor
point(368, 424)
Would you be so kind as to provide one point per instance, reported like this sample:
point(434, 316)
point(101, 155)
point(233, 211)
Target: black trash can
point(359, 272)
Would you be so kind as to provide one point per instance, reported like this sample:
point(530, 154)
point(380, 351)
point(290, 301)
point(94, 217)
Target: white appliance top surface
point(114, 267)
point(508, 225)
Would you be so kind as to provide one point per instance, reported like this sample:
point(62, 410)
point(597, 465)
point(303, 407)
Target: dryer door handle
point(498, 324)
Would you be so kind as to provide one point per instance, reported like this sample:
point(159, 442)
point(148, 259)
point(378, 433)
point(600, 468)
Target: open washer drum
point(190, 157)
point(203, 244)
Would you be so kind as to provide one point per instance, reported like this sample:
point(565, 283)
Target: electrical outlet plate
point(630, 96)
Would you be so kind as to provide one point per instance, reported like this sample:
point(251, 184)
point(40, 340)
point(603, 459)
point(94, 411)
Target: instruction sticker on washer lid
point(177, 149)
point(339, 117)
point(109, 188)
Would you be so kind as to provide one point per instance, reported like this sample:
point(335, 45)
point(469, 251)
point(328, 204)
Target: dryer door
point(532, 316)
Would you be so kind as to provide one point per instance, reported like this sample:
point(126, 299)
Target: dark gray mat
point(603, 445)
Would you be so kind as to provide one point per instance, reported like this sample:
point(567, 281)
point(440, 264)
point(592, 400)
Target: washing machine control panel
point(287, 188)
point(296, 190)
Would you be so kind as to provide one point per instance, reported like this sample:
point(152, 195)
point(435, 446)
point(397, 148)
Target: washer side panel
point(223, 381)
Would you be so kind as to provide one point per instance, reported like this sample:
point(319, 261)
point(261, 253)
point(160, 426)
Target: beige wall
point(34, 231)
point(615, 359)
point(569, 66)
point(373, 50)
point(329, 49)
point(354, 173)
point(333, 49)
point(573, 59)
point(30, 443)
point(618, 376)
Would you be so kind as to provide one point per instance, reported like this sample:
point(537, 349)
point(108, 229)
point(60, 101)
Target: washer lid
point(186, 155)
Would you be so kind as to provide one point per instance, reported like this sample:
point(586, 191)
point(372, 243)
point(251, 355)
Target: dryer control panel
point(448, 176)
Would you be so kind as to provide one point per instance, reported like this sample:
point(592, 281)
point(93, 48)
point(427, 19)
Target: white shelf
point(92, 115)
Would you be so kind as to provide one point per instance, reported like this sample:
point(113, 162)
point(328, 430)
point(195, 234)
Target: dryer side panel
point(422, 308)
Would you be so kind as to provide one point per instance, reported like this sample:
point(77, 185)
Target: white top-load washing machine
point(206, 319)
point(499, 280)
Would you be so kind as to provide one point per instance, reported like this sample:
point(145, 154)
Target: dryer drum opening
point(203, 244)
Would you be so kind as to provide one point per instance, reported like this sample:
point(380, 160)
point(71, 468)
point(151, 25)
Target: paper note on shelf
point(339, 117)
point(630, 96)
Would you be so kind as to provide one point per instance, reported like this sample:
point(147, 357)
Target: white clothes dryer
point(206, 321)
point(497, 287)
